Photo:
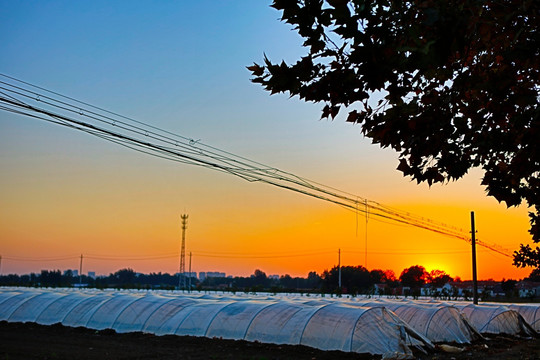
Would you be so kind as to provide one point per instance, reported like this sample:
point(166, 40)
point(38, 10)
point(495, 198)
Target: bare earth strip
point(32, 341)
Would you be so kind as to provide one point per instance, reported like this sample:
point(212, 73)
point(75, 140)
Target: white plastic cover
point(80, 314)
point(382, 326)
point(492, 319)
point(323, 324)
point(530, 312)
point(438, 322)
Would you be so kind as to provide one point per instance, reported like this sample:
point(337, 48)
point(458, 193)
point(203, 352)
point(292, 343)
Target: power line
point(224, 255)
point(401, 253)
point(250, 173)
point(262, 256)
point(37, 102)
point(42, 259)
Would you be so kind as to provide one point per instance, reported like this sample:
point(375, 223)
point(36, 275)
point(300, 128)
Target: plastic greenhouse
point(496, 319)
point(390, 328)
point(531, 314)
point(438, 322)
point(323, 325)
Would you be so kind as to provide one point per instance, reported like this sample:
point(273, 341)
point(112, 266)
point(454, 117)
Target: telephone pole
point(339, 269)
point(189, 272)
point(80, 271)
point(367, 218)
point(182, 270)
point(473, 243)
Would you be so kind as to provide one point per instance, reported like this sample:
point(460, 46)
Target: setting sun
point(67, 193)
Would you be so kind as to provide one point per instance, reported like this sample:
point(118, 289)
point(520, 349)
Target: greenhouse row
point(388, 327)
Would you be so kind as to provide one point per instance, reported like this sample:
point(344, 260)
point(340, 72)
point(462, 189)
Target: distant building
point(203, 275)
point(273, 277)
point(215, 274)
point(528, 289)
point(384, 289)
point(92, 274)
point(380, 289)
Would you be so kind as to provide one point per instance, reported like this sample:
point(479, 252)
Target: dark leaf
point(256, 70)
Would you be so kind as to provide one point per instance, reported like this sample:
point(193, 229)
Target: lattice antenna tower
point(182, 270)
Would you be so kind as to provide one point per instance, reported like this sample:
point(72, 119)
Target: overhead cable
point(29, 100)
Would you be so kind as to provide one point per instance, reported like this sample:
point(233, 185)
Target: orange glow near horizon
point(237, 237)
point(64, 193)
point(122, 209)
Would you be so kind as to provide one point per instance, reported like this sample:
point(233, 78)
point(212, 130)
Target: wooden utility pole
point(473, 243)
point(189, 272)
point(367, 218)
point(339, 269)
point(80, 271)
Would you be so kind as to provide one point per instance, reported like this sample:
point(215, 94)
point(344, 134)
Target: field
point(32, 341)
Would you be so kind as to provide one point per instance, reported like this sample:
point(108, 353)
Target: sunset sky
point(181, 66)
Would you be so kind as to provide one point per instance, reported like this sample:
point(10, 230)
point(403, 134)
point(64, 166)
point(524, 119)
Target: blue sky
point(181, 66)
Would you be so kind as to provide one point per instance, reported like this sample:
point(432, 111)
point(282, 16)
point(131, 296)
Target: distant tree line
point(354, 280)
point(124, 278)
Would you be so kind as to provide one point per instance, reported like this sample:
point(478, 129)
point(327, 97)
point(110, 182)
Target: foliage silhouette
point(450, 85)
point(414, 277)
point(438, 278)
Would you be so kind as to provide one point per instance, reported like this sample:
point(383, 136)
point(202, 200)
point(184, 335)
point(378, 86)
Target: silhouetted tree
point(287, 282)
point(160, 280)
point(313, 280)
point(124, 276)
point(376, 276)
point(390, 277)
point(438, 278)
point(354, 279)
point(534, 275)
point(414, 277)
point(509, 287)
point(218, 281)
point(450, 85)
point(260, 278)
point(52, 278)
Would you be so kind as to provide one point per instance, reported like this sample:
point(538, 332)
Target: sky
point(181, 66)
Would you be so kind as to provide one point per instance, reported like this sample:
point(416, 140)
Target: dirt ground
point(32, 341)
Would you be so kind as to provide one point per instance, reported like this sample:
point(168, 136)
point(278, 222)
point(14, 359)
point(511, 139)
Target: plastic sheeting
point(496, 319)
point(325, 325)
point(530, 312)
point(377, 326)
point(438, 322)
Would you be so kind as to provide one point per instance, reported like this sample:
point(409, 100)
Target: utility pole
point(473, 243)
point(182, 270)
point(367, 218)
point(189, 272)
point(0, 264)
point(80, 271)
point(339, 268)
